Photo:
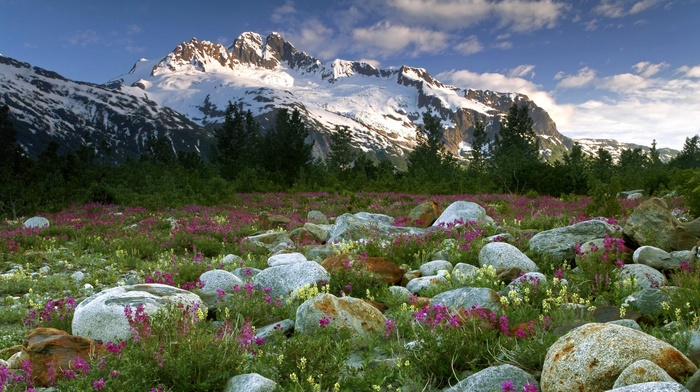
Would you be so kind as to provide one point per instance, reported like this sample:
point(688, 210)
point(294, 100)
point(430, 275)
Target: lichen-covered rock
point(468, 297)
point(317, 217)
point(285, 258)
point(645, 276)
point(640, 372)
point(502, 256)
point(101, 316)
point(592, 356)
point(380, 266)
point(424, 214)
point(559, 243)
point(284, 279)
point(250, 382)
point(654, 386)
point(652, 223)
point(463, 212)
point(329, 311)
point(492, 379)
point(215, 280)
point(422, 284)
point(432, 267)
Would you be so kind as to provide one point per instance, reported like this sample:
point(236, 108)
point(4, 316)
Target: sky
point(621, 69)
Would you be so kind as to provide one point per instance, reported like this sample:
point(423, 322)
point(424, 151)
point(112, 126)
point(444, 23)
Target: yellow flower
point(293, 377)
point(336, 387)
point(665, 306)
point(376, 387)
point(302, 363)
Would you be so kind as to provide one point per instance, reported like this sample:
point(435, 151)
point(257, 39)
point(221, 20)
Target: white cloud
point(624, 83)
point(385, 39)
point(583, 77)
point(621, 8)
point(522, 71)
point(133, 29)
point(83, 38)
point(313, 38)
point(645, 108)
point(516, 15)
point(503, 45)
point(647, 69)
point(372, 62)
point(470, 46)
point(283, 12)
point(691, 72)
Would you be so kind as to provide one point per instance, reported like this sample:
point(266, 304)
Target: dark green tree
point(575, 168)
point(515, 153)
point(479, 148)
point(285, 150)
point(689, 156)
point(341, 156)
point(428, 162)
point(236, 142)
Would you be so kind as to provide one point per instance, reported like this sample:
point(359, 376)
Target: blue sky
point(622, 69)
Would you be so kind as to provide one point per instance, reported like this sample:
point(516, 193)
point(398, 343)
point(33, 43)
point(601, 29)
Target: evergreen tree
point(576, 168)
point(286, 153)
point(689, 156)
point(602, 166)
point(341, 156)
point(428, 162)
point(236, 142)
point(515, 153)
point(479, 148)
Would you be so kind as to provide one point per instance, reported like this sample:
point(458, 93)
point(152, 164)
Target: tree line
point(247, 158)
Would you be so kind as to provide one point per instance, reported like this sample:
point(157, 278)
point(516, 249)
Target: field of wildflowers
point(46, 272)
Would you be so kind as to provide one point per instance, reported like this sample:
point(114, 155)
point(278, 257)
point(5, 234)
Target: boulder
point(469, 297)
point(36, 222)
point(645, 276)
point(591, 357)
point(49, 345)
point(362, 225)
point(329, 311)
point(649, 301)
point(462, 272)
point(250, 382)
point(285, 258)
point(317, 217)
point(655, 258)
point(654, 386)
point(424, 214)
point(269, 240)
point(559, 243)
point(318, 231)
point(640, 372)
point(269, 221)
point(422, 284)
point(215, 280)
point(101, 316)
point(463, 212)
point(381, 266)
point(502, 256)
point(492, 379)
point(432, 267)
point(284, 279)
point(652, 223)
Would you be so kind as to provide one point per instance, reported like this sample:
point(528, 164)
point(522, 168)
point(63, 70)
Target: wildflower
point(98, 384)
point(324, 321)
point(389, 327)
point(507, 386)
point(530, 387)
point(293, 377)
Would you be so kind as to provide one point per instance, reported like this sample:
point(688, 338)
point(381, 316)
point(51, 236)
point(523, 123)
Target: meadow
point(45, 273)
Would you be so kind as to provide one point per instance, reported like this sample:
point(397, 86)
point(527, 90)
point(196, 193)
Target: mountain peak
point(194, 55)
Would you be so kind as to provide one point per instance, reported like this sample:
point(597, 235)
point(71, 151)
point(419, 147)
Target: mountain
point(183, 96)
point(615, 148)
point(45, 106)
point(382, 107)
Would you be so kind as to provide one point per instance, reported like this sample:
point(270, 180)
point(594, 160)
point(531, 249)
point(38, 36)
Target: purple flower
point(507, 386)
point(530, 387)
point(98, 384)
point(324, 321)
point(389, 327)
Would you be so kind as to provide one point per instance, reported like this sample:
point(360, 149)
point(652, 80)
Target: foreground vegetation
point(188, 351)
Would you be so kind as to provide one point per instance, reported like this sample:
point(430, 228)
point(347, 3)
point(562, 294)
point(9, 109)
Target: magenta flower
point(98, 384)
point(324, 321)
point(507, 386)
point(530, 387)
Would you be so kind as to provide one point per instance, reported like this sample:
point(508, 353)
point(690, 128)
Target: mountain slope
point(381, 106)
point(45, 106)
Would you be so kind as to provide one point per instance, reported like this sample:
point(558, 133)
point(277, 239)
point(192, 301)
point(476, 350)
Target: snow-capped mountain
point(45, 106)
point(183, 96)
point(381, 106)
point(615, 148)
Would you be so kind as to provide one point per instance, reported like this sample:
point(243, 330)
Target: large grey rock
point(591, 357)
point(101, 316)
point(468, 297)
point(360, 226)
point(421, 284)
point(640, 372)
point(463, 272)
point(502, 256)
point(316, 217)
point(285, 258)
point(649, 301)
point(658, 386)
point(250, 382)
point(318, 231)
point(329, 311)
point(654, 257)
point(215, 280)
point(492, 379)
point(36, 222)
point(463, 212)
point(645, 276)
point(559, 243)
point(432, 267)
point(284, 279)
point(652, 223)
point(270, 240)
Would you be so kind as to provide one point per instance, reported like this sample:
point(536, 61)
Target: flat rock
point(653, 387)
point(284, 279)
point(469, 297)
point(361, 317)
point(492, 379)
point(250, 382)
point(559, 243)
